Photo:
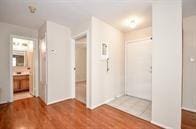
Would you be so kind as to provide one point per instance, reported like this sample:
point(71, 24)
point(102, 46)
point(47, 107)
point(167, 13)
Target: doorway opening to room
point(22, 68)
point(81, 68)
point(138, 80)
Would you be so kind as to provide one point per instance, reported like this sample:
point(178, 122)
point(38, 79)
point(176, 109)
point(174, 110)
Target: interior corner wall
point(80, 28)
point(189, 67)
point(42, 31)
point(106, 85)
point(5, 32)
point(167, 63)
point(59, 62)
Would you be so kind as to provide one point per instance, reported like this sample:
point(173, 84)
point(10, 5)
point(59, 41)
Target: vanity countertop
point(22, 74)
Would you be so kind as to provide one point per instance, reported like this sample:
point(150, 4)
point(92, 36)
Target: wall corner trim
point(4, 102)
point(57, 101)
point(105, 102)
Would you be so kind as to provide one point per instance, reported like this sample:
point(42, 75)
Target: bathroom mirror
point(18, 59)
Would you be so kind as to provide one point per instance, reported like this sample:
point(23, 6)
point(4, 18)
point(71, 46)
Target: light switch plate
point(192, 59)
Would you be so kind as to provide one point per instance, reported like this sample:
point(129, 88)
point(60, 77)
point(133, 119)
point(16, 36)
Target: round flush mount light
point(132, 22)
point(32, 9)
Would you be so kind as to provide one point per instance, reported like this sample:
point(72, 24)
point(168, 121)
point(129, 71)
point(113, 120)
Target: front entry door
point(139, 69)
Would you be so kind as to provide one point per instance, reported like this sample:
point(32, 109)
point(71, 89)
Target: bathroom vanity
point(21, 83)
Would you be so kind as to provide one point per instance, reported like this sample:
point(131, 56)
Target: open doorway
point(22, 68)
point(81, 68)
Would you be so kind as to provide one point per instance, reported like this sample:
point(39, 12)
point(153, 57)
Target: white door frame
point(88, 93)
point(35, 65)
point(126, 44)
point(45, 100)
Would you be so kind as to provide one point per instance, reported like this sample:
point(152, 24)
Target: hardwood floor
point(188, 120)
point(31, 113)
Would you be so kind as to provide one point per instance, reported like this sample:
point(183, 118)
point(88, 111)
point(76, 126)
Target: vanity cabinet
point(21, 83)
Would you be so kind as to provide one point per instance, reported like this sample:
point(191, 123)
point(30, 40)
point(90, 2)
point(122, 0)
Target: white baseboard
point(4, 102)
point(95, 106)
point(107, 101)
point(160, 125)
point(138, 97)
point(57, 101)
point(189, 109)
point(120, 95)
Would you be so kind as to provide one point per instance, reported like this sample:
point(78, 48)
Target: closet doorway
point(80, 68)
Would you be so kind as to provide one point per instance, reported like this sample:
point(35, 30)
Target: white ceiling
point(76, 13)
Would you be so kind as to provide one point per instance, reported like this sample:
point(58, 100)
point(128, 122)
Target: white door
point(139, 69)
point(43, 69)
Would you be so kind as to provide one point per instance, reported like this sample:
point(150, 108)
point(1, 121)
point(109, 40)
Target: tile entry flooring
point(135, 106)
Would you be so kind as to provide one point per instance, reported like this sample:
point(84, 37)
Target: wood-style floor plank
point(31, 113)
point(188, 120)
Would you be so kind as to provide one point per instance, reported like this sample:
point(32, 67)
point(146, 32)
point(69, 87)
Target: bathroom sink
point(18, 72)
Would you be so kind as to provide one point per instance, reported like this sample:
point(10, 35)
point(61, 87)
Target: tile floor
point(81, 91)
point(22, 95)
point(134, 106)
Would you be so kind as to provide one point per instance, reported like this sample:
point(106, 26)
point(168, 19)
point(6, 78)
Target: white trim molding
point(4, 102)
point(138, 40)
point(160, 125)
point(58, 101)
point(107, 101)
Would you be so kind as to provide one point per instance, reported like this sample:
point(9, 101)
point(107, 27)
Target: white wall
point(106, 85)
point(5, 32)
point(189, 68)
point(59, 62)
point(82, 27)
point(138, 34)
point(167, 63)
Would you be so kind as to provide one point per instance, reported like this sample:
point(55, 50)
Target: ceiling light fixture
point(32, 9)
point(133, 24)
